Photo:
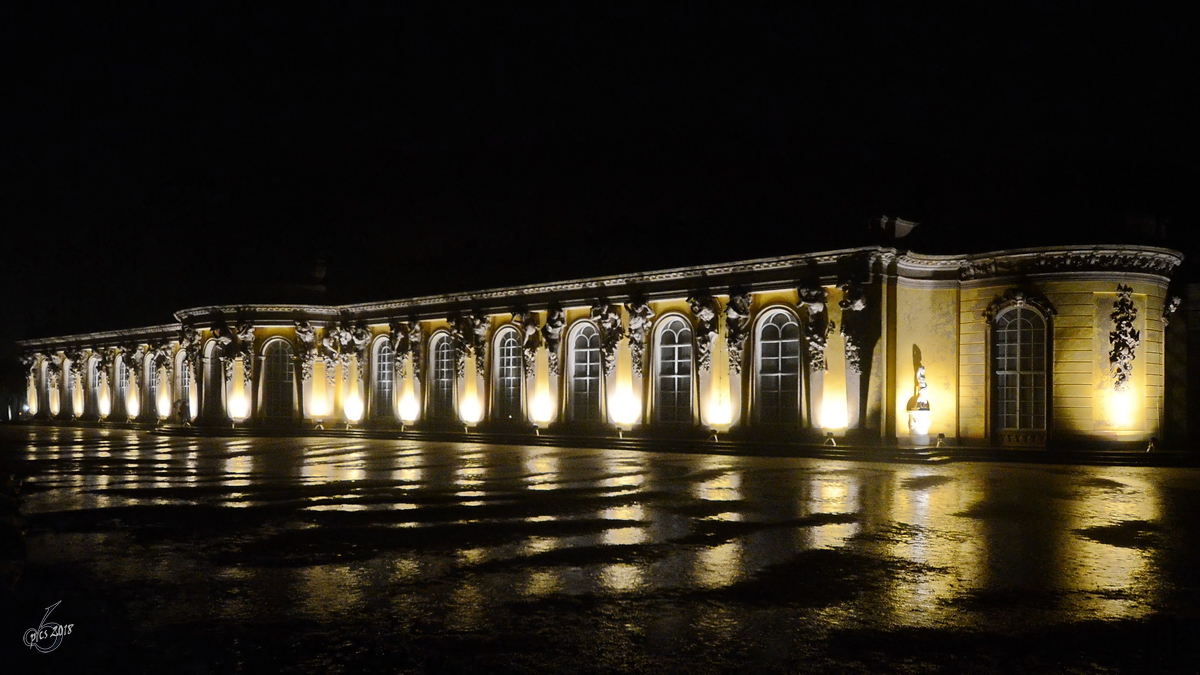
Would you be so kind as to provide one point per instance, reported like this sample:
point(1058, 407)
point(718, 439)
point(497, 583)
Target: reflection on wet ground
point(320, 554)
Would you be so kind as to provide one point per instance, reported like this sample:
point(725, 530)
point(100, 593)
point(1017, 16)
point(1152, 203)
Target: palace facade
point(878, 345)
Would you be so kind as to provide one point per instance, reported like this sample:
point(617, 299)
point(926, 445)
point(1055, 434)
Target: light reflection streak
point(541, 469)
point(718, 566)
point(329, 591)
point(930, 534)
point(1112, 581)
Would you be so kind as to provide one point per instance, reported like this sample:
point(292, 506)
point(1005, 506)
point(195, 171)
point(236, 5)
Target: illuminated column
point(31, 393)
point(470, 393)
point(543, 403)
point(716, 387)
point(833, 413)
point(409, 393)
point(624, 402)
point(67, 390)
point(166, 391)
point(352, 379)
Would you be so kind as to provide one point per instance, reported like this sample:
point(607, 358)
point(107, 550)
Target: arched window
point(122, 383)
point(674, 377)
point(183, 395)
point(278, 380)
point(92, 381)
point(441, 389)
point(585, 368)
point(1019, 369)
point(778, 369)
point(382, 393)
point(509, 374)
point(150, 400)
point(212, 404)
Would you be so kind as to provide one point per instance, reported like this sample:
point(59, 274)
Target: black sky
point(162, 155)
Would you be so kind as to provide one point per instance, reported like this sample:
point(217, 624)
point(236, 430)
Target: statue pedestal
point(918, 426)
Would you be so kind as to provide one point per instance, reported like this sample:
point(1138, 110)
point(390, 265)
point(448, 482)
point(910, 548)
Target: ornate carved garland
point(854, 328)
point(306, 335)
point(705, 308)
point(1020, 298)
point(1124, 338)
point(531, 339)
point(737, 328)
point(816, 325)
point(608, 317)
point(556, 321)
point(640, 316)
point(406, 347)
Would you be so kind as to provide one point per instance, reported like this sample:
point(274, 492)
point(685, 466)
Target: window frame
point(764, 319)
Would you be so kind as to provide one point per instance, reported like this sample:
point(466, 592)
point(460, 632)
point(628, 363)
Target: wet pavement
point(325, 555)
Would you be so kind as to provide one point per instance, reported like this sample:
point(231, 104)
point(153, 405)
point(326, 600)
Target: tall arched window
point(585, 368)
point(778, 369)
point(279, 377)
point(509, 375)
point(382, 393)
point(91, 382)
point(673, 403)
point(183, 395)
point(122, 383)
point(1019, 369)
point(150, 400)
point(441, 386)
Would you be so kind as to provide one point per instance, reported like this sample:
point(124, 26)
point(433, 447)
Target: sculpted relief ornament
point(705, 309)
point(245, 349)
point(854, 305)
point(1124, 338)
point(531, 339)
point(360, 336)
point(335, 349)
point(556, 321)
point(640, 315)
point(306, 335)
point(816, 325)
point(468, 334)
point(406, 347)
point(189, 344)
point(1020, 298)
point(608, 317)
point(737, 328)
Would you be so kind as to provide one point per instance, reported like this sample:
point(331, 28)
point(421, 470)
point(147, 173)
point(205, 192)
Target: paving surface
point(326, 555)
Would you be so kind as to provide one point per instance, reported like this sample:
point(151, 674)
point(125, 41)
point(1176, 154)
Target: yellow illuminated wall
point(927, 331)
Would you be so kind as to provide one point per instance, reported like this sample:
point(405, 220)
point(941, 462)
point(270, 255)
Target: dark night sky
point(162, 155)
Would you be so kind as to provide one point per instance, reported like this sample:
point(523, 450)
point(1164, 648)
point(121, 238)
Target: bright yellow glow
point(918, 422)
point(833, 413)
point(193, 397)
point(353, 406)
point(77, 399)
point(410, 410)
point(239, 402)
point(542, 408)
point(470, 410)
point(104, 397)
point(718, 412)
point(164, 399)
point(625, 408)
point(133, 402)
point(55, 401)
point(1121, 412)
point(32, 398)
